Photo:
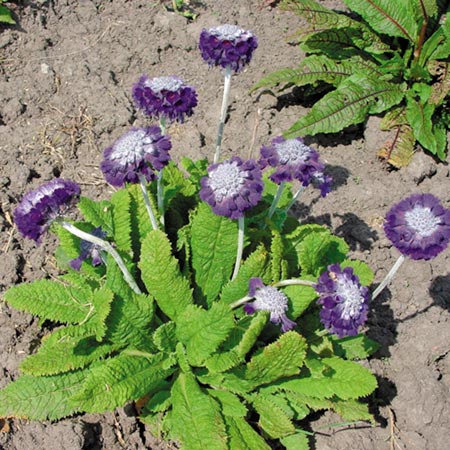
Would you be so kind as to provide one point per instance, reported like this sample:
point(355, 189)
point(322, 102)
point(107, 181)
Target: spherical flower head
point(227, 46)
point(294, 160)
point(268, 298)
point(89, 250)
point(232, 187)
point(418, 226)
point(166, 97)
point(345, 303)
point(139, 151)
point(39, 208)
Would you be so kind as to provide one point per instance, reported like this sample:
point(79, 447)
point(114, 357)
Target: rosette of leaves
point(199, 371)
point(385, 58)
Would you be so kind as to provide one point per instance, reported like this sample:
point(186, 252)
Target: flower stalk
point(223, 112)
point(388, 278)
point(107, 247)
point(148, 206)
point(240, 246)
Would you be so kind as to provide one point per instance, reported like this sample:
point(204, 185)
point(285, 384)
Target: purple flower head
point(268, 298)
point(227, 46)
point(344, 301)
point(294, 160)
point(232, 187)
point(89, 250)
point(139, 151)
point(418, 226)
point(40, 207)
point(165, 97)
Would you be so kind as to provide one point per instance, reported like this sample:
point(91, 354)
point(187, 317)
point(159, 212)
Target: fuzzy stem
point(240, 302)
point(240, 249)
point(223, 112)
point(160, 196)
point(276, 199)
point(107, 247)
point(151, 215)
point(295, 197)
point(388, 277)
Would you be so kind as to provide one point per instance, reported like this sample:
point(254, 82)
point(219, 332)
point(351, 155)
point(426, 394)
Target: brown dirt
point(65, 78)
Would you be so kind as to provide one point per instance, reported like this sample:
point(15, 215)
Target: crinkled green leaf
point(196, 420)
point(98, 214)
point(5, 15)
point(51, 300)
point(214, 248)
point(118, 380)
point(242, 436)
point(361, 269)
point(282, 358)
point(230, 403)
point(41, 398)
point(419, 116)
point(387, 17)
point(202, 331)
point(165, 337)
point(349, 104)
point(354, 347)
point(352, 410)
point(297, 441)
point(300, 297)
point(161, 275)
point(121, 220)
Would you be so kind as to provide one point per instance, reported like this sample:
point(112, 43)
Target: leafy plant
point(388, 58)
point(167, 301)
point(5, 14)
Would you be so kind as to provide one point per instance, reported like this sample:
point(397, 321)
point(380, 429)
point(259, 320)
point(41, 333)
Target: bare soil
point(66, 73)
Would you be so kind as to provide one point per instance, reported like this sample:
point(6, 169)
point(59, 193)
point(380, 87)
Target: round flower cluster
point(268, 298)
point(294, 160)
point(232, 187)
point(166, 97)
point(227, 46)
point(40, 207)
point(419, 226)
point(138, 152)
point(344, 301)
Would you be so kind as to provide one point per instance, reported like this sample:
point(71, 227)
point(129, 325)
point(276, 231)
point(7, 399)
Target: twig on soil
point(255, 130)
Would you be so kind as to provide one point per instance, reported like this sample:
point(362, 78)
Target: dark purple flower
point(418, 226)
point(268, 298)
point(89, 250)
point(40, 207)
point(232, 187)
point(294, 160)
point(139, 151)
point(344, 301)
point(165, 97)
point(227, 46)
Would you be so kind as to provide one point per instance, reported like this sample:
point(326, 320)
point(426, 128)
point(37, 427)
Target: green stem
point(295, 197)
point(151, 215)
point(240, 248)
point(160, 196)
point(107, 247)
point(388, 277)
point(223, 112)
point(276, 199)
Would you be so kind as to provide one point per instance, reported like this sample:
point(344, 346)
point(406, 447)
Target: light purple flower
point(344, 301)
point(139, 151)
point(89, 250)
point(227, 46)
point(39, 208)
point(232, 187)
point(294, 160)
point(419, 226)
point(268, 298)
point(166, 97)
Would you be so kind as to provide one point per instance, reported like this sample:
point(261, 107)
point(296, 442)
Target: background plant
point(5, 14)
point(391, 59)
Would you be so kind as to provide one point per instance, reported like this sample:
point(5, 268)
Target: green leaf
point(165, 337)
point(230, 403)
point(51, 300)
point(352, 410)
point(161, 275)
point(355, 98)
point(361, 269)
point(297, 441)
point(272, 419)
point(242, 436)
point(196, 418)
point(202, 331)
point(419, 116)
point(66, 349)
point(98, 214)
point(282, 358)
point(118, 380)
point(318, 250)
point(344, 379)
point(387, 17)
point(214, 248)
point(221, 362)
point(5, 15)
point(41, 398)
point(354, 347)
point(300, 297)
point(121, 220)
